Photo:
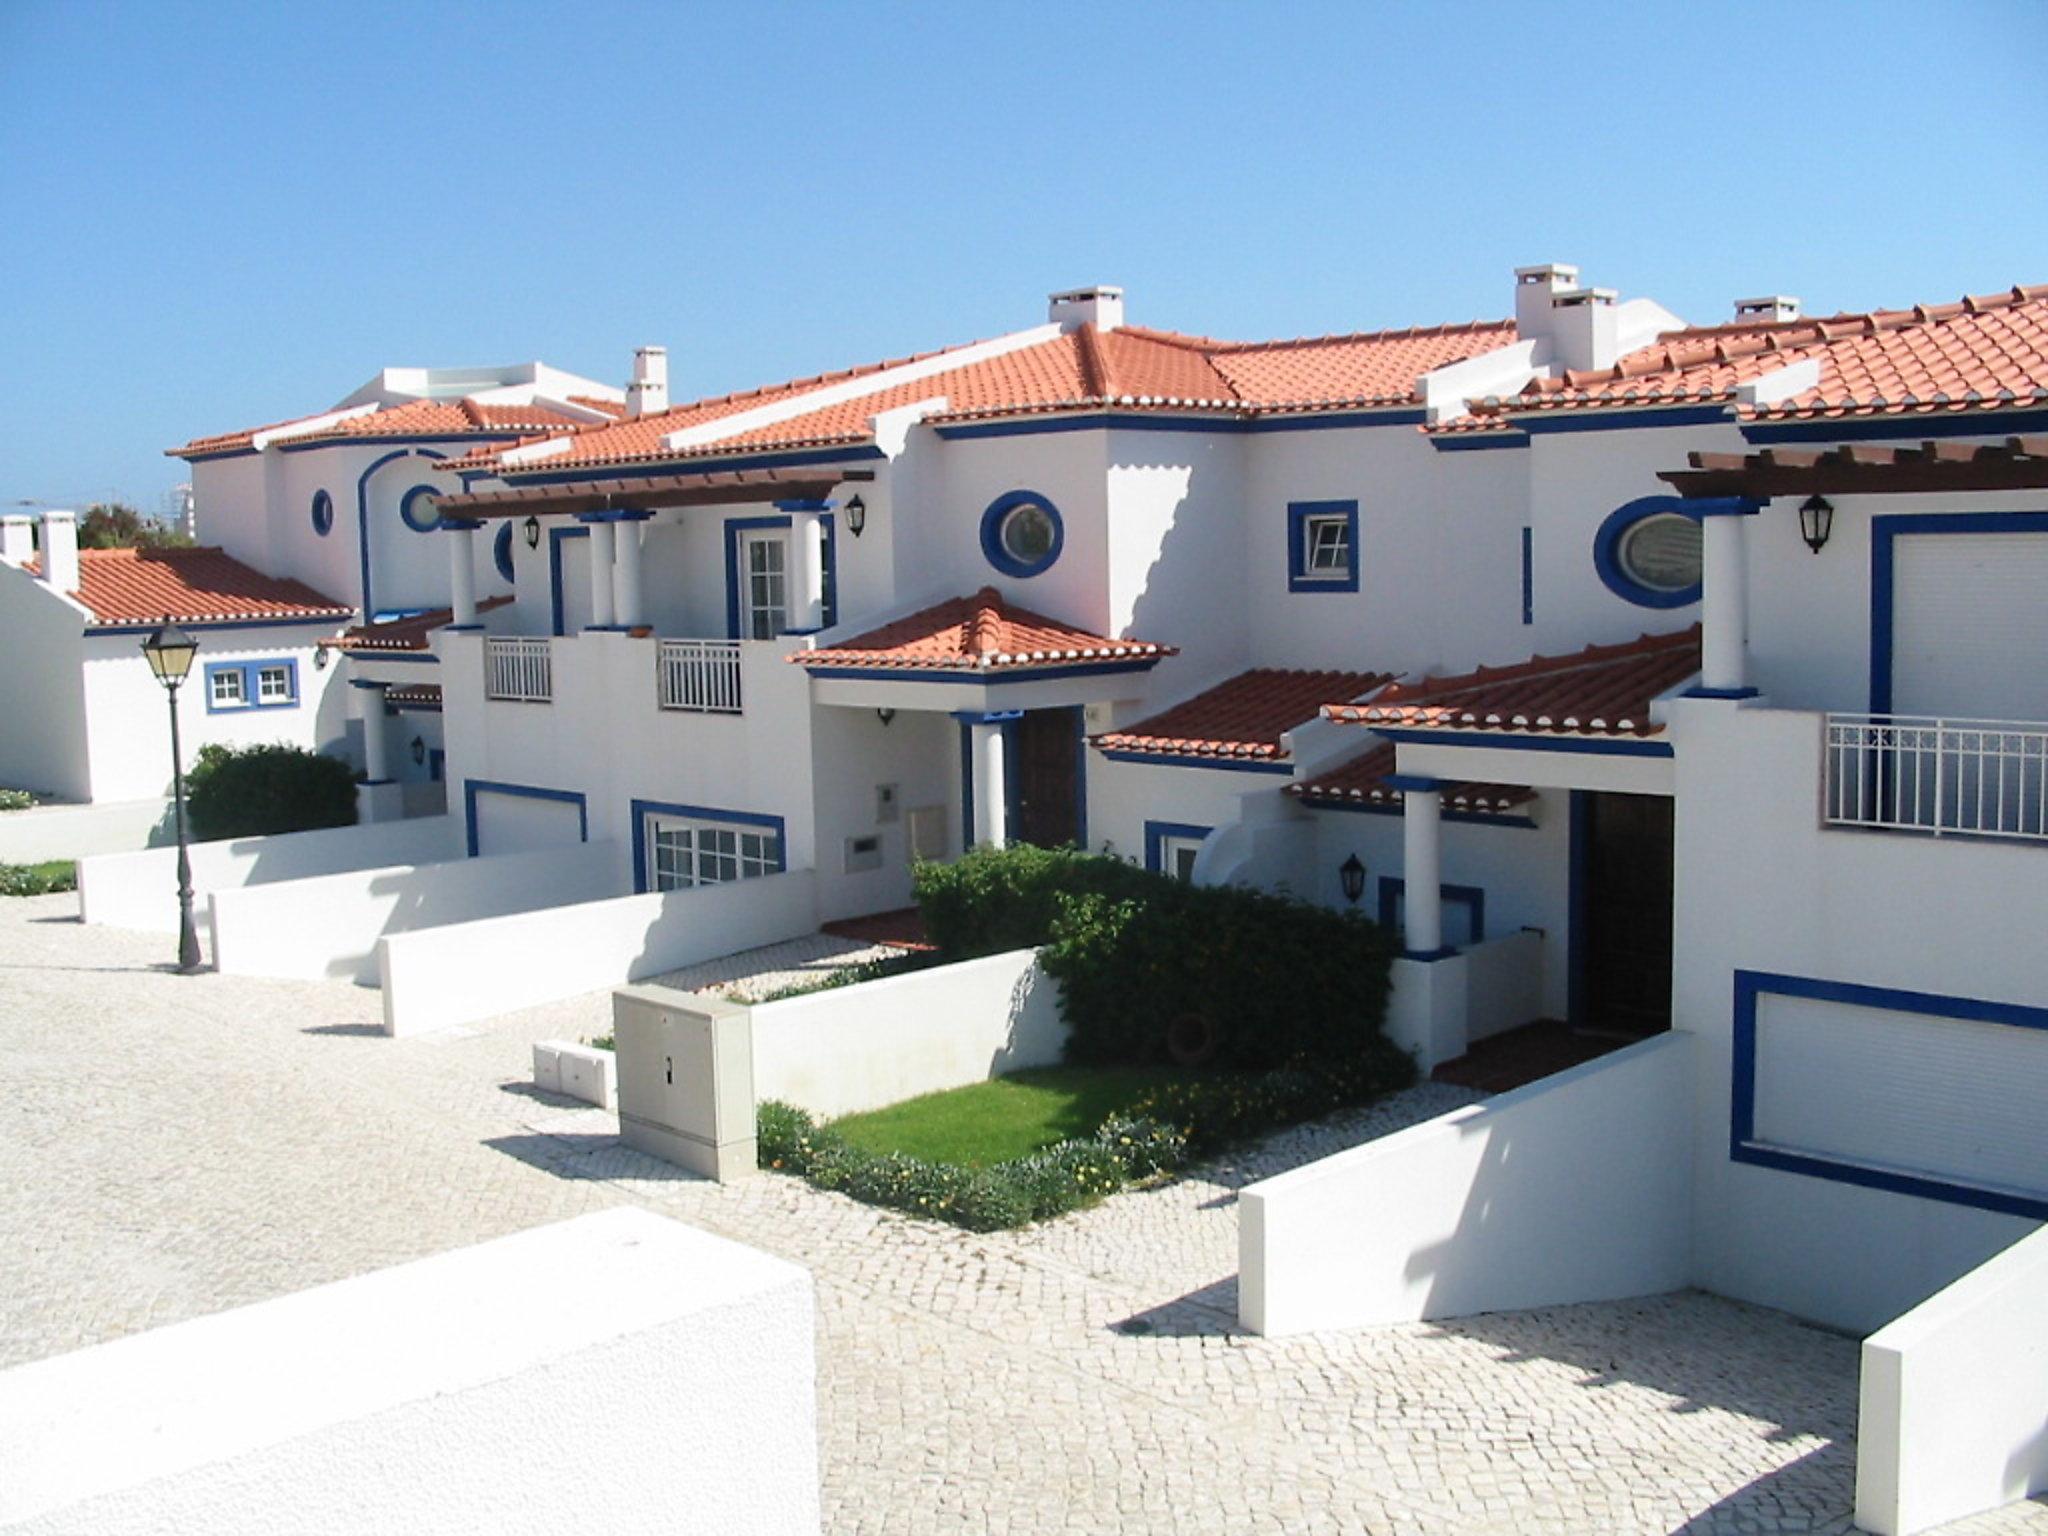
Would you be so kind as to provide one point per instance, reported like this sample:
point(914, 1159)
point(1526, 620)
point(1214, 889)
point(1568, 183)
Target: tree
point(116, 525)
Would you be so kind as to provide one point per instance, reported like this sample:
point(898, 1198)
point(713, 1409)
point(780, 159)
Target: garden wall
point(74, 831)
point(860, 1047)
point(481, 1391)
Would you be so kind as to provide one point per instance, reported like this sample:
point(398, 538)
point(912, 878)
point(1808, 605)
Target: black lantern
point(1816, 521)
point(170, 651)
point(1352, 873)
point(856, 516)
point(533, 533)
point(885, 714)
point(419, 750)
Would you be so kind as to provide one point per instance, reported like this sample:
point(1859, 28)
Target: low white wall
point(1954, 1399)
point(854, 1048)
point(74, 831)
point(140, 890)
point(487, 1390)
point(1503, 984)
point(1427, 1007)
point(1577, 1188)
point(477, 969)
point(329, 926)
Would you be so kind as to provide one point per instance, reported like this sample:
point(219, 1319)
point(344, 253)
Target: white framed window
point(764, 585)
point(683, 853)
point(226, 686)
point(274, 685)
point(1177, 856)
point(1326, 548)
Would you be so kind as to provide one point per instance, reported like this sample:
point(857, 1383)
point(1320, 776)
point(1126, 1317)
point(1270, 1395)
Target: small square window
point(1322, 546)
point(1329, 546)
point(274, 685)
point(227, 689)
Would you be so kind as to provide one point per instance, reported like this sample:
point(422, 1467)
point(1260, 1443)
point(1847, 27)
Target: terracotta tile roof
point(1129, 369)
point(414, 418)
point(1981, 352)
point(1604, 690)
point(141, 586)
point(979, 634)
point(1243, 717)
point(1363, 781)
point(406, 634)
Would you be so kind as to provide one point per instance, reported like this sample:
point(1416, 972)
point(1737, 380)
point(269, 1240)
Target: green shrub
point(994, 899)
point(848, 976)
point(267, 788)
point(16, 799)
point(38, 879)
point(1210, 1113)
point(1144, 1146)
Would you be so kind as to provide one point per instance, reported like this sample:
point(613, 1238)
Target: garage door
point(519, 819)
point(1970, 625)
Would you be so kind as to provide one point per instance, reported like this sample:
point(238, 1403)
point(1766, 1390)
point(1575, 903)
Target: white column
point(806, 571)
point(632, 596)
point(1724, 604)
point(376, 765)
point(1422, 868)
point(462, 571)
point(990, 821)
point(603, 611)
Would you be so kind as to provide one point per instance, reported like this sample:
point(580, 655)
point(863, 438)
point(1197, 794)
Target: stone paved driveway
point(172, 1146)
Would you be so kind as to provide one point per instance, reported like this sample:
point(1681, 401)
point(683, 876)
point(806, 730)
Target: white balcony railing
point(701, 675)
point(1978, 778)
point(520, 668)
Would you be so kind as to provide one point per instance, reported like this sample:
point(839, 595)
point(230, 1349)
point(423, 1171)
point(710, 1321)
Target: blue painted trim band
point(1599, 746)
point(1156, 833)
point(1217, 764)
point(1743, 1147)
point(1132, 421)
point(987, 716)
point(1419, 782)
point(250, 672)
point(472, 788)
point(1861, 429)
point(462, 629)
point(1885, 532)
point(1001, 559)
point(1475, 442)
point(1721, 693)
point(804, 504)
point(1299, 577)
point(1429, 956)
point(820, 457)
point(984, 679)
point(1624, 420)
point(1703, 507)
point(403, 658)
point(1393, 888)
point(642, 809)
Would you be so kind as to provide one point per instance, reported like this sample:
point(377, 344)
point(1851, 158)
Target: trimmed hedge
point(38, 879)
point(267, 788)
point(990, 900)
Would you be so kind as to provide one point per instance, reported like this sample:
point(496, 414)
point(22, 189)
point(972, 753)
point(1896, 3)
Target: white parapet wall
point(489, 1390)
point(1575, 1188)
point(329, 926)
point(474, 970)
point(1503, 983)
point(140, 890)
point(76, 831)
point(860, 1047)
point(1953, 1411)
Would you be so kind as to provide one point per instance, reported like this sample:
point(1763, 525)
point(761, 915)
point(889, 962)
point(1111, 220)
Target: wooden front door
point(1048, 762)
point(1626, 910)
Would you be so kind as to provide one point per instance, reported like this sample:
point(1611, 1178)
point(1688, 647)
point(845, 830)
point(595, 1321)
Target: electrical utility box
point(686, 1079)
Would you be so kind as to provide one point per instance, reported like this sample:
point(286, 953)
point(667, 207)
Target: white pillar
point(376, 765)
point(462, 571)
point(990, 820)
point(603, 611)
point(631, 591)
point(806, 571)
point(1724, 604)
point(1422, 866)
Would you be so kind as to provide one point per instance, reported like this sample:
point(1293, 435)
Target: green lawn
point(38, 879)
point(1007, 1117)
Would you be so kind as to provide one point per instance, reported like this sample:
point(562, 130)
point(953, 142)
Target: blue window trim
point(992, 534)
point(1607, 553)
point(556, 537)
point(1298, 577)
point(642, 809)
point(472, 788)
point(501, 550)
point(363, 511)
point(1528, 575)
point(249, 671)
point(1477, 442)
point(1156, 834)
point(1743, 1147)
point(405, 505)
point(1885, 532)
point(735, 527)
point(323, 512)
point(1471, 897)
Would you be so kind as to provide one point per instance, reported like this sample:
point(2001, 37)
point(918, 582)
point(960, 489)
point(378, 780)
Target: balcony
point(1950, 778)
point(699, 675)
point(519, 668)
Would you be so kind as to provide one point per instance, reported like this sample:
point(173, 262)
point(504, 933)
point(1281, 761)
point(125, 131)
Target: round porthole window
point(1650, 553)
point(323, 513)
point(1021, 533)
point(420, 508)
point(501, 550)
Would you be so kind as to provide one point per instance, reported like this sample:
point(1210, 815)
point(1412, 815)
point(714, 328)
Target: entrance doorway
point(1047, 809)
point(1622, 914)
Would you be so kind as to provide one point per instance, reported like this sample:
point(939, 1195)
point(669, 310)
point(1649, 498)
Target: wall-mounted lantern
point(885, 714)
point(856, 516)
point(1352, 874)
point(419, 750)
point(1816, 521)
point(533, 533)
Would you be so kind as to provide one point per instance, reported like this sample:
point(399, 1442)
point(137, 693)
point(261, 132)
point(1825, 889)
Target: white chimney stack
point(1100, 306)
point(60, 550)
point(648, 393)
point(17, 539)
point(1535, 287)
point(1770, 308)
point(1584, 328)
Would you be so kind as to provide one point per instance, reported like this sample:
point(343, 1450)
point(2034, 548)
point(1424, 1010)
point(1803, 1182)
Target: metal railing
point(519, 668)
point(1918, 773)
point(702, 675)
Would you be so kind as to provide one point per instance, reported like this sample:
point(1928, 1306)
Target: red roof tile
point(979, 634)
point(414, 418)
point(141, 586)
point(406, 634)
point(1362, 781)
point(1604, 690)
point(1241, 718)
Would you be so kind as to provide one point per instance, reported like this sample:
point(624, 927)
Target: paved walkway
point(172, 1146)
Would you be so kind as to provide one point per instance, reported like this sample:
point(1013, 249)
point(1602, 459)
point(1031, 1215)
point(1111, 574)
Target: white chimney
point(648, 393)
point(60, 550)
point(188, 511)
point(17, 539)
point(1584, 328)
point(1535, 287)
point(1770, 308)
point(1101, 306)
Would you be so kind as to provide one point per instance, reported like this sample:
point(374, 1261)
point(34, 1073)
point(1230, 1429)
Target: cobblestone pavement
point(172, 1146)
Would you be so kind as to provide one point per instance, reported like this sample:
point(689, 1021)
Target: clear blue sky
point(214, 215)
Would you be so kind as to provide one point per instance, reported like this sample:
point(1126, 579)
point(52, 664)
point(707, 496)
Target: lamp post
point(170, 651)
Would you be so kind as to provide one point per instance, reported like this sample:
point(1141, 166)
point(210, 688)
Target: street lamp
point(170, 651)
